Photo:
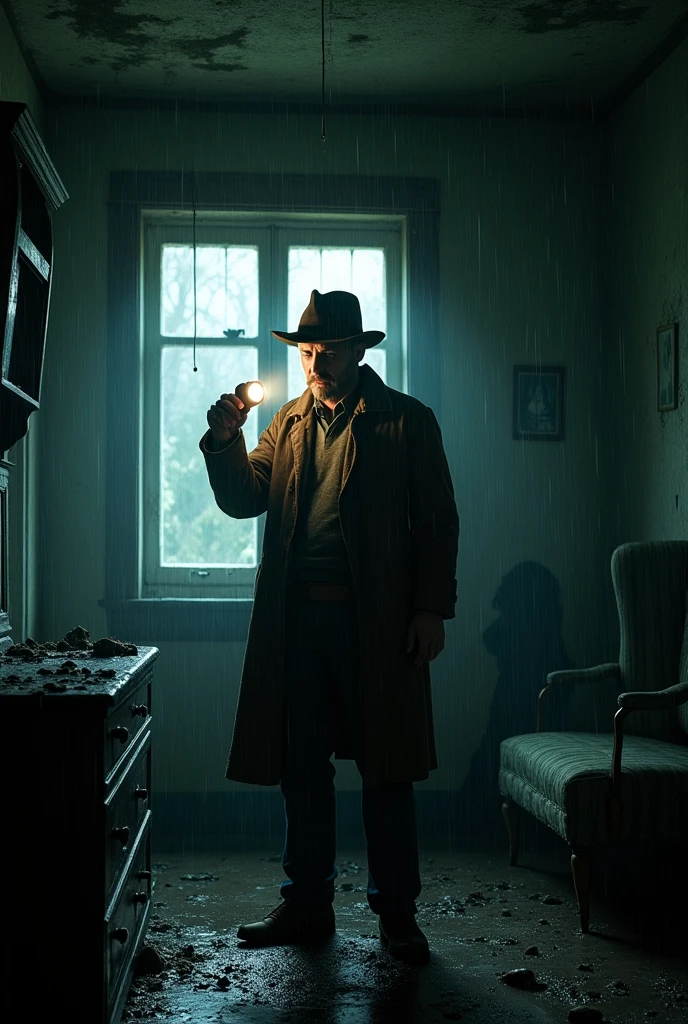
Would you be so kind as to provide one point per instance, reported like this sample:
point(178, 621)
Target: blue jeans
point(321, 713)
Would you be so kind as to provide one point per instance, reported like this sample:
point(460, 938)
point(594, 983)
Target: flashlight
point(252, 393)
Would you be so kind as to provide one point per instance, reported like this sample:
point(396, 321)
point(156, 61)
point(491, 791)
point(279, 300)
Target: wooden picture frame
point(667, 368)
point(538, 413)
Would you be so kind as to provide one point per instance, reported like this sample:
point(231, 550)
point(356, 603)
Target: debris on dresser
point(76, 770)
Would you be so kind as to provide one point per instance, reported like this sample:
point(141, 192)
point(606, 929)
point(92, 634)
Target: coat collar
point(374, 396)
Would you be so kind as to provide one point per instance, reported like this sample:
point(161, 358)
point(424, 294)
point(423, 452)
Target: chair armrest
point(641, 700)
point(654, 700)
point(584, 675)
point(565, 676)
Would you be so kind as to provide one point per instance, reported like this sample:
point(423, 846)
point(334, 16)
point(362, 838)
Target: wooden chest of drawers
point(76, 812)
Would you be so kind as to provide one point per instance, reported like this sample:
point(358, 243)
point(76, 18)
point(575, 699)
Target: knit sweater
point(318, 550)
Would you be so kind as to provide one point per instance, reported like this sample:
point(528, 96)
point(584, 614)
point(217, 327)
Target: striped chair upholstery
point(564, 779)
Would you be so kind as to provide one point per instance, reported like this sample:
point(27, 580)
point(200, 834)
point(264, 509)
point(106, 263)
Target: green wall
point(520, 255)
point(646, 265)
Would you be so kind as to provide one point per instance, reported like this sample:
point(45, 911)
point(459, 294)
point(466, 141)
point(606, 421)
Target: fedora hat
point(331, 316)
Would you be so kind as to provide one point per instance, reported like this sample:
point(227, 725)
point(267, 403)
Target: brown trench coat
point(401, 529)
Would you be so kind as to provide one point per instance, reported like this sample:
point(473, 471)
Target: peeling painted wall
point(646, 199)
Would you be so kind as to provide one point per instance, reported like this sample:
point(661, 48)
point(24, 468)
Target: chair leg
point(510, 812)
point(580, 868)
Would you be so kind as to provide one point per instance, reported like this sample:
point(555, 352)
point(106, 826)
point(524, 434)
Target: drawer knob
point(120, 732)
point(121, 935)
point(140, 709)
point(145, 876)
point(141, 793)
point(140, 897)
point(122, 834)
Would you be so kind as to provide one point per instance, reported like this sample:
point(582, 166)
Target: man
point(356, 576)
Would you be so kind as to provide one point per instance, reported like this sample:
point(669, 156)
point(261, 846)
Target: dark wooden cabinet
point(4, 558)
point(76, 816)
point(31, 191)
point(76, 737)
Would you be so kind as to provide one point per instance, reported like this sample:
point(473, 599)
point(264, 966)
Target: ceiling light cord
point(323, 131)
point(193, 200)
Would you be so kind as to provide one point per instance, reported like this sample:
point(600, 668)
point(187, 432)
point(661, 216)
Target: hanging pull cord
point(322, 42)
point(193, 199)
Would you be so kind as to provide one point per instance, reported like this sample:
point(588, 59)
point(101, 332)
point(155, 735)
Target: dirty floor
point(482, 919)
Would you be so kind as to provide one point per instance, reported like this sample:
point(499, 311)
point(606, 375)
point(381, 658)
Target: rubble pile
point(55, 674)
point(77, 639)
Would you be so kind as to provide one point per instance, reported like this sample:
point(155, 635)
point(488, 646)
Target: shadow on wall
point(527, 641)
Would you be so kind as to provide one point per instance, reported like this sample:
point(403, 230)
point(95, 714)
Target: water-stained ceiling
point(488, 54)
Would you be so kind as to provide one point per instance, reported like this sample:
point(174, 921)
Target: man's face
point(330, 368)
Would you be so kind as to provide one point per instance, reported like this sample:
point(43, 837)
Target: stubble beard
point(329, 391)
point(332, 390)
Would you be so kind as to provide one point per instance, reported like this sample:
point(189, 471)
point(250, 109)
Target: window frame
point(181, 581)
point(131, 195)
point(273, 238)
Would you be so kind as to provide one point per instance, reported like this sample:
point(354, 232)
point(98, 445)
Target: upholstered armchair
point(628, 786)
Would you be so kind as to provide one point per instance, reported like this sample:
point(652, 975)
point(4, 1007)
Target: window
point(251, 274)
point(138, 608)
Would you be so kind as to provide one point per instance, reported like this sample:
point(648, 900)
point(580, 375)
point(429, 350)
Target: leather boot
point(403, 938)
point(288, 923)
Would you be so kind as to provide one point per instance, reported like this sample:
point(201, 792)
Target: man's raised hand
point(225, 419)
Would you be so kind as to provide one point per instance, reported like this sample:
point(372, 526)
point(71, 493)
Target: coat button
point(291, 488)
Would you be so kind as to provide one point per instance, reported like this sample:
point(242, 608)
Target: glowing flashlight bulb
point(251, 393)
point(255, 392)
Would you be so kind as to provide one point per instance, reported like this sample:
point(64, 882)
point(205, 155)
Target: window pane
point(368, 282)
point(226, 290)
point(296, 378)
point(336, 270)
point(376, 358)
point(193, 530)
point(304, 276)
point(361, 271)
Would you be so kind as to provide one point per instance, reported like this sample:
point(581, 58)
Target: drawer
point(125, 808)
point(127, 916)
point(123, 726)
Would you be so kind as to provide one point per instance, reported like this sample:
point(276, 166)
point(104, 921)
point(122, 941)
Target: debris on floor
point(585, 1015)
point(523, 978)
point(479, 922)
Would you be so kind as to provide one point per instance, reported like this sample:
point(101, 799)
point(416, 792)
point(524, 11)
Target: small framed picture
point(667, 378)
point(539, 403)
